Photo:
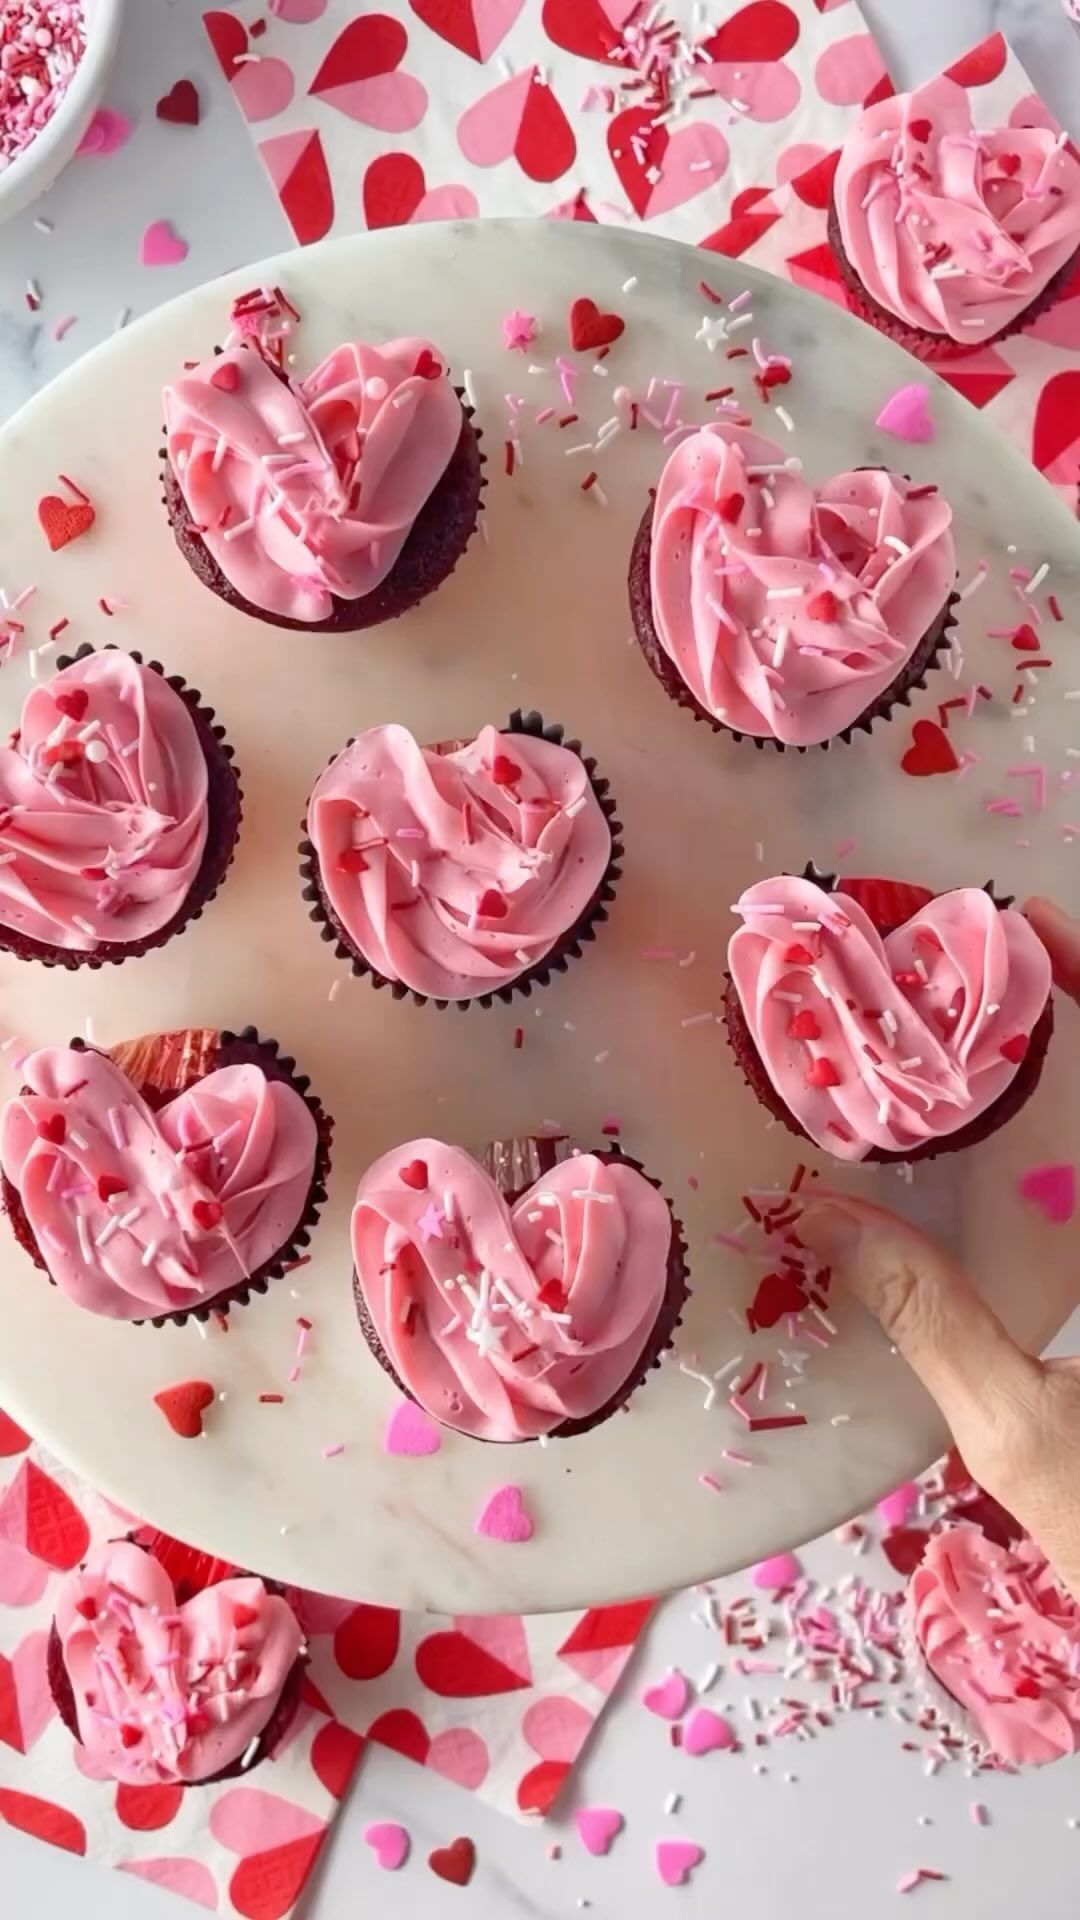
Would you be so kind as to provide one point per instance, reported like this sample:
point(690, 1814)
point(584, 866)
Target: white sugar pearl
point(376, 388)
point(96, 750)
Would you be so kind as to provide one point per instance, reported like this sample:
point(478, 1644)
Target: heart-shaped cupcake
point(119, 810)
point(146, 1202)
point(512, 1318)
point(158, 1691)
point(881, 1035)
point(784, 612)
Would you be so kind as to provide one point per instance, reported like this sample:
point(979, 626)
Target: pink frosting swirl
point(892, 1042)
point(137, 1213)
point(454, 872)
point(102, 806)
point(307, 492)
point(502, 1321)
point(788, 611)
point(1002, 1636)
point(168, 1693)
point(954, 231)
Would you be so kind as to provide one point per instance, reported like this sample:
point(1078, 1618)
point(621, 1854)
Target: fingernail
point(828, 1231)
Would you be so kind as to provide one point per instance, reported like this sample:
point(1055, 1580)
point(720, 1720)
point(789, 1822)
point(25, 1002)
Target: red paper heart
point(814, 187)
point(454, 1666)
point(741, 232)
point(229, 39)
point(764, 30)
point(455, 1863)
point(371, 44)
point(184, 1405)
point(582, 27)
point(64, 520)
point(180, 106)
point(591, 328)
point(1056, 437)
point(366, 1644)
point(12, 1438)
point(266, 1885)
point(777, 1294)
point(520, 118)
point(404, 1732)
point(981, 64)
point(415, 1175)
point(931, 751)
point(394, 186)
point(44, 1819)
point(148, 1809)
point(659, 168)
point(297, 166)
point(456, 21)
point(904, 1548)
point(335, 1751)
point(73, 703)
point(539, 1789)
point(37, 1514)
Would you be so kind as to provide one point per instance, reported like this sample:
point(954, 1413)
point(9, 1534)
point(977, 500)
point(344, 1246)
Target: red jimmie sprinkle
point(738, 353)
point(719, 393)
point(1055, 606)
point(568, 419)
point(519, 1037)
point(271, 1399)
point(301, 1322)
point(716, 298)
point(508, 461)
point(590, 480)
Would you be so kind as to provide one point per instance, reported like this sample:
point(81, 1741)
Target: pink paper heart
point(108, 131)
point(1052, 1189)
point(676, 1860)
point(162, 246)
point(906, 414)
point(460, 1755)
point(189, 1878)
point(505, 1517)
point(781, 1570)
point(849, 70)
point(502, 1635)
point(707, 1732)
point(897, 1506)
point(669, 1697)
point(766, 90)
point(263, 87)
point(249, 1821)
point(557, 1727)
point(598, 1828)
point(23, 1579)
point(409, 1431)
point(299, 12)
point(26, 1702)
point(392, 102)
point(389, 1843)
point(446, 203)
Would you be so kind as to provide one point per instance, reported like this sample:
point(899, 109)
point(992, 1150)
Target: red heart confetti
point(930, 751)
point(798, 956)
point(1014, 1050)
point(1026, 640)
point(822, 1073)
point(822, 606)
point(352, 860)
point(110, 1184)
point(207, 1214)
point(1010, 164)
point(226, 377)
point(730, 507)
point(920, 130)
point(777, 1294)
point(73, 703)
point(415, 1175)
point(427, 366)
point(904, 1548)
point(805, 1026)
point(180, 106)
point(184, 1405)
point(591, 328)
point(491, 905)
point(64, 520)
point(53, 1129)
point(505, 771)
point(455, 1863)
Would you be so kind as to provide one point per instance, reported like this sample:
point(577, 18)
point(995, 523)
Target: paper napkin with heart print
point(439, 109)
point(244, 1847)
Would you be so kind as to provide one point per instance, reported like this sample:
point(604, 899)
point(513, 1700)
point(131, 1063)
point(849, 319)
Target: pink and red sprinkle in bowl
point(54, 59)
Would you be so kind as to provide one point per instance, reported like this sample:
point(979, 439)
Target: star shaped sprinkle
point(432, 1221)
point(519, 329)
point(713, 332)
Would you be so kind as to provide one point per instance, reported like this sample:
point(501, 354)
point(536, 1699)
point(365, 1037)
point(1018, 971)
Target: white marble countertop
point(834, 1840)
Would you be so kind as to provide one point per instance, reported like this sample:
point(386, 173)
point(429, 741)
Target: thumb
point(1061, 937)
point(927, 1306)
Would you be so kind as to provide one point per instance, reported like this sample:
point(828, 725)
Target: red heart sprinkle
point(1015, 1049)
point(491, 905)
point(184, 1405)
point(180, 106)
point(110, 1184)
point(553, 1294)
point(352, 861)
point(1027, 1689)
point(1026, 640)
point(415, 1175)
point(904, 1548)
point(87, 1609)
point(823, 606)
point(920, 130)
point(455, 1863)
point(207, 1213)
point(53, 1128)
point(591, 328)
point(773, 375)
point(777, 1294)
point(822, 1073)
point(427, 367)
point(130, 1736)
point(505, 771)
point(798, 956)
point(730, 507)
point(63, 520)
point(804, 1027)
point(243, 1616)
point(226, 377)
point(72, 702)
point(1010, 164)
point(930, 750)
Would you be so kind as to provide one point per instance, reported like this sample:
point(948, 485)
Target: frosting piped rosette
point(953, 231)
point(1001, 1634)
point(511, 1318)
point(788, 611)
point(453, 872)
point(139, 1211)
point(305, 492)
point(884, 1045)
point(163, 1692)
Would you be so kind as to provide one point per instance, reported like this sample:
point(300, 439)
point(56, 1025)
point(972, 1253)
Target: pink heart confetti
point(107, 132)
point(1051, 1188)
point(506, 1518)
point(782, 1570)
point(389, 1843)
point(668, 1697)
point(707, 1732)
point(897, 1506)
point(162, 246)
point(906, 414)
point(598, 1828)
point(676, 1860)
point(409, 1431)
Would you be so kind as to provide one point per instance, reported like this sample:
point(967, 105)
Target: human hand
point(1015, 1419)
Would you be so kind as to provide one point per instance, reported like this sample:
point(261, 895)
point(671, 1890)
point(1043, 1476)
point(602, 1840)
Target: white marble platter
point(535, 617)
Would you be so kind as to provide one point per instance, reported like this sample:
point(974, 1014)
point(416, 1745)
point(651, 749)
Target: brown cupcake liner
point(224, 805)
point(270, 1738)
point(911, 676)
point(982, 1127)
point(558, 957)
point(513, 1161)
point(436, 542)
point(166, 1064)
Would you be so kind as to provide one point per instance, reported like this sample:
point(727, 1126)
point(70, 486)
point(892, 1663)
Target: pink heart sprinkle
point(1052, 1189)
point(598, 1827)
point(505, 1517)
point(906, 414)
point(108, 130)
point(707, 1732)
point(411, 1432)
point(676, 1860)
point(782, 1570)
point(389, 1843)
point(669, 1697)
point(897, 1506)
point(162, 246)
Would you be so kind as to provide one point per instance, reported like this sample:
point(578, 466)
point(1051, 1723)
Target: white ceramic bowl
point(37, 168)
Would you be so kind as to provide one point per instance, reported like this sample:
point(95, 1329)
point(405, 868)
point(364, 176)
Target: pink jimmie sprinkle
point(979, 1815)
point(335, 1447)
point(709, 1480)
point(41, 44)
point(740, 1459)
point(911, 1880)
